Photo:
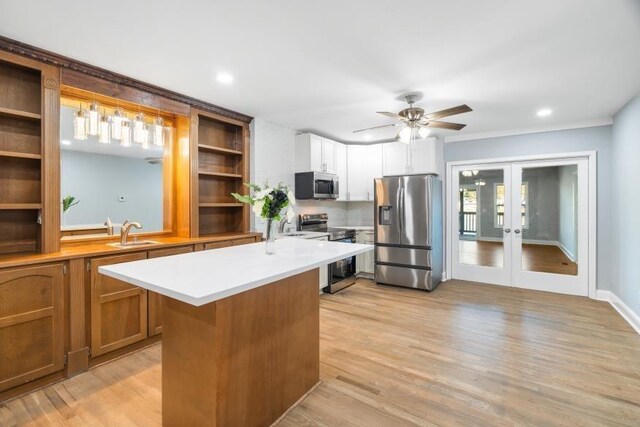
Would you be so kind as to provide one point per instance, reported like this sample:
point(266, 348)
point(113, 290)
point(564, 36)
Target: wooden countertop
point(79, 250)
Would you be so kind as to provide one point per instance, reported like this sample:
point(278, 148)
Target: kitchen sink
point(133, 244)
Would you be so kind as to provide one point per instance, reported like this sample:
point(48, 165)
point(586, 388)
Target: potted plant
point(268, 203)
point(67, 203)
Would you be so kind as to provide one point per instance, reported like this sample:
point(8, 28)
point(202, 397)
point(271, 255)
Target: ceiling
point(328, 66)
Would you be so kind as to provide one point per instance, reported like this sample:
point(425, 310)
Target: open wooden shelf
point(220, 174)
point(219, 150)
point(13, 154)
point(19, 113)
point(221, 205)
point(21, 177)
point(20, 206)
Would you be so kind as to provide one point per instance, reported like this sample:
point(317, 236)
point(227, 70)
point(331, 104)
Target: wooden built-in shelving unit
point(20, 158)
point(221, 157)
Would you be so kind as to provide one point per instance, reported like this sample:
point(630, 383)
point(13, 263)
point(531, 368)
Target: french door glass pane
point(481, 217)
point(549, 209)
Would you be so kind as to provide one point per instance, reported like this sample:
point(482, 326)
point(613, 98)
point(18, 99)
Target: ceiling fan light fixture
point(424, 132)
point(405, 135)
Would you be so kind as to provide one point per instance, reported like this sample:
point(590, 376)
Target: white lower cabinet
point(365, 262)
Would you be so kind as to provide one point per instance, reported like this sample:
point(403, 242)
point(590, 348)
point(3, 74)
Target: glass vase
point(270, 243)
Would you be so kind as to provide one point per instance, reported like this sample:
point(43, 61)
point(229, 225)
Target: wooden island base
point(242, 360)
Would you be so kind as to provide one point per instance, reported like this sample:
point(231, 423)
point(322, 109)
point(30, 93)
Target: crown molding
point(606, 121)
point(64, 62)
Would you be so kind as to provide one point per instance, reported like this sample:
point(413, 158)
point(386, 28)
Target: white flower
point(290, 214)
point(263, 193)
point(257, 207)
point(291, 197)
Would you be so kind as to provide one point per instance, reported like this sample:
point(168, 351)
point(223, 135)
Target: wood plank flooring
point(541, 258)
point(466, 354)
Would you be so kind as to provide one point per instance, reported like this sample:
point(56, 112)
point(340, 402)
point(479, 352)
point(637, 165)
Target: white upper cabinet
point(423, 156)
point(341, 170)
point(314, 153)
point(365, 164)
point(394, 158)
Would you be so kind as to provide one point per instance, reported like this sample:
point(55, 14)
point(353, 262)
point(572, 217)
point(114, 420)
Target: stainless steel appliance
point(408, 231)
point(342, 273)
point(317, 185)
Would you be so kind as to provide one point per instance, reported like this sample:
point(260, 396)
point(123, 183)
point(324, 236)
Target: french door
point(522, 224)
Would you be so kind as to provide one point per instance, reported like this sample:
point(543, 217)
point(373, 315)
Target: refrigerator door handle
point(401, 216)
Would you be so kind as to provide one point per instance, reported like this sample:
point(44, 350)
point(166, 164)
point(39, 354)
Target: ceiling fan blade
point(392, 115)
point(443, 125)
point(464, 108)
point(378, 127)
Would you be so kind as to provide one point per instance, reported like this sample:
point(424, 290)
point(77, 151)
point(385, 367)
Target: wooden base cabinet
point(31, 323)
point(118, 310)
point(155, 299)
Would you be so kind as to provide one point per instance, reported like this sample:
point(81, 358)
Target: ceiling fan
point(416, 123)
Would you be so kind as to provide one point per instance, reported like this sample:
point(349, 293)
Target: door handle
point(507, 230)
point(516, 231)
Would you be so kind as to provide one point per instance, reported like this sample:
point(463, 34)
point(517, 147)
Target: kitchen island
point(241, 328)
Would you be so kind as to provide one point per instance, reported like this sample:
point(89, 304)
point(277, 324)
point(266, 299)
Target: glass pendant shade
point(158, 132)
point(138, 127)
point(94, 118)
point(125, 139)
point(80, 125)
point(116, 124)
point(145, 137)
point(104, 135)
point(424, 132)
point(405, 135)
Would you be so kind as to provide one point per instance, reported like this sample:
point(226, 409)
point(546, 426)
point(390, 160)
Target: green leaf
point(242, 198)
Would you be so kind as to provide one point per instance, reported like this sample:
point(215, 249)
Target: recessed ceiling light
point(544, 112)
point(65, 142)
point(224, 78)
point(366, 137)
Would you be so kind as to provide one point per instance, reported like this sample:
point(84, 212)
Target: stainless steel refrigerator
point(408, 231)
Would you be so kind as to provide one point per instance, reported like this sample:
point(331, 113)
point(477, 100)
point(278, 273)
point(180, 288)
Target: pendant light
point(94, 117)
point(80, 124)
point(125, 140)
point(116, 124)
point(138, 127)
point(158, 132)
point(145, 136)
point(104, 135)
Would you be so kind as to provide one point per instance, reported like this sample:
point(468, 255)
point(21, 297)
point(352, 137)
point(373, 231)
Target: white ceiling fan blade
point(378, 127)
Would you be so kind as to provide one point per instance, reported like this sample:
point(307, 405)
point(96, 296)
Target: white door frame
point(592, 226)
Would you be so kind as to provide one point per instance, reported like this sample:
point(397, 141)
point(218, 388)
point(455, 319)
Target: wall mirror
point(115, 165)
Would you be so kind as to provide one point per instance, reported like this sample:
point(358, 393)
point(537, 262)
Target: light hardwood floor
point(541, 258)
point(466, 354)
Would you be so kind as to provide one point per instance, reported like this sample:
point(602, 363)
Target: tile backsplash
point(340, 213)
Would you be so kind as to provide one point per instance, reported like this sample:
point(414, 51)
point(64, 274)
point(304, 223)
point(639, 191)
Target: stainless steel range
point(342, 273)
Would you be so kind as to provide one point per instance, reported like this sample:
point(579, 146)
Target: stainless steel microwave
point(317, 185)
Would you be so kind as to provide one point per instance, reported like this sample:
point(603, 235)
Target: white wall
point(585, 139)
point(97, 180)
point(625, 273)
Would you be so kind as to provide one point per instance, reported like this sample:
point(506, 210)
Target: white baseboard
point(627, 314)
point(567, 252)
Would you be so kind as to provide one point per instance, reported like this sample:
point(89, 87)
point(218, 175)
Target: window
point(498, 196)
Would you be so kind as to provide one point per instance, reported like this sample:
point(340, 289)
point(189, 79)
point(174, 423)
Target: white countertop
point(202, 277)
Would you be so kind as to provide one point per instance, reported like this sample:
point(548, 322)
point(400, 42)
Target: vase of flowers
point(269, 203)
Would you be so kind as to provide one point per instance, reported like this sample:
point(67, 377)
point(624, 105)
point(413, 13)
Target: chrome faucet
point(109, 226)
point(282, 224)
point(125, 229)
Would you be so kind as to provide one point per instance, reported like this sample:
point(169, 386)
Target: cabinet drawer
point(244, 241)
point(403, 256)
point(217, 245)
